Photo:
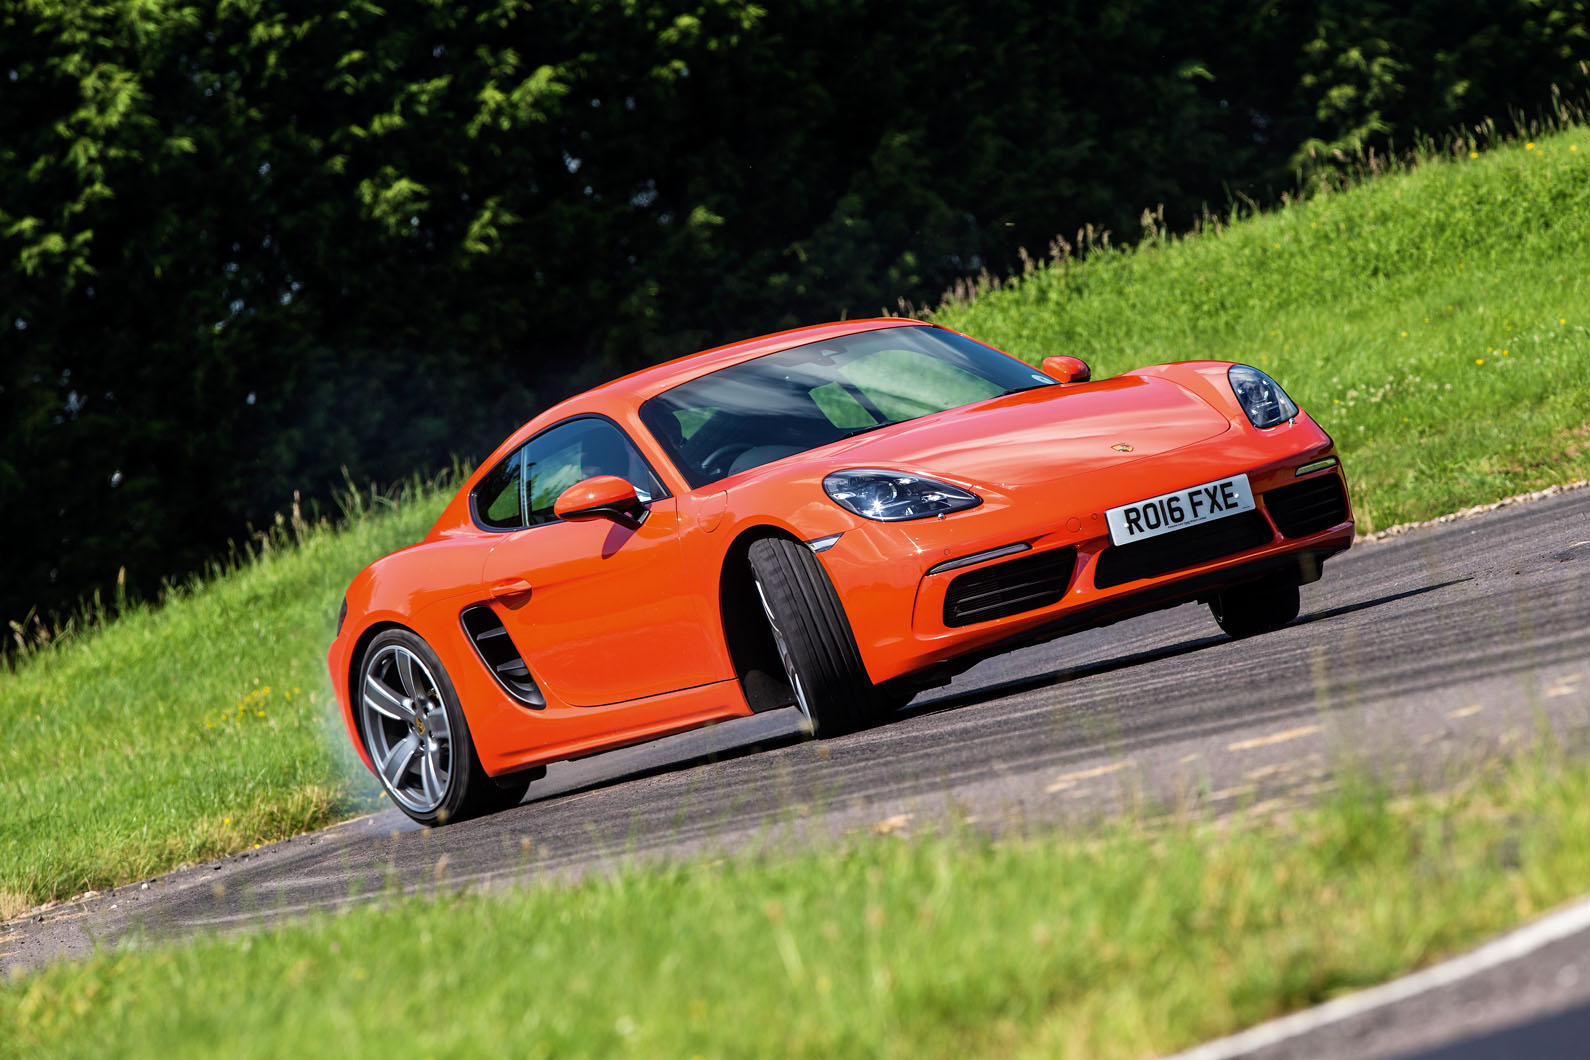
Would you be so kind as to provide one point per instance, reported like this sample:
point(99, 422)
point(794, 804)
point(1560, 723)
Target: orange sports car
point(831, 518)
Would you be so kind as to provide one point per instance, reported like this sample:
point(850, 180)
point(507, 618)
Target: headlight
point(1261, 397)
point(890, 496)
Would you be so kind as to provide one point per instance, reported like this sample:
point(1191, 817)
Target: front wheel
point(414, 730)
point(813, 637)
point(1248, 610)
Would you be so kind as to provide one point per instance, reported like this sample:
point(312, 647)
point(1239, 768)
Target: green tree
point(246, 243)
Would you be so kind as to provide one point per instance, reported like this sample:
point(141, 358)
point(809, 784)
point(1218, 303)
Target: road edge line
point(1519, 943)
point(1473, 510)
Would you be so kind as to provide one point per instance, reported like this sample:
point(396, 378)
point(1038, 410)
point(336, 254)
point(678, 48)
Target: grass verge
point(1136, 940)
point(1436, 320)
point(194, 729)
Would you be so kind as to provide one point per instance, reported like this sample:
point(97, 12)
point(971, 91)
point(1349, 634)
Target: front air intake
point(1179, 549)
point(496, 649)
point(1009, 588)
point(1308, 507)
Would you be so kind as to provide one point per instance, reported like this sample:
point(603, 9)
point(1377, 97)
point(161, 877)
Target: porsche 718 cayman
point(831, 519)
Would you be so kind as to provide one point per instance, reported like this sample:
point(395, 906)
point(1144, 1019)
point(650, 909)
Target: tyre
point(1260, 607)
point(414, 730)
point(813, 637)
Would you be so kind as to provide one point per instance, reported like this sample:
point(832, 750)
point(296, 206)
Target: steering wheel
point(718, 461)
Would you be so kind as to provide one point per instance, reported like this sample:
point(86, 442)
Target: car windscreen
point(749, 414)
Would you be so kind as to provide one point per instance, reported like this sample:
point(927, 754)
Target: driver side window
point(521, 490)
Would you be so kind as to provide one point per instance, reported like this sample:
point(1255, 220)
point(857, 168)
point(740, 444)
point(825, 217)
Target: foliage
point(246, 242)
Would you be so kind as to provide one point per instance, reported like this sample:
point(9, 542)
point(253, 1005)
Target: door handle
point(509, 587)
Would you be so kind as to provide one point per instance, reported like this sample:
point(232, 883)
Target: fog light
point(1317, 465)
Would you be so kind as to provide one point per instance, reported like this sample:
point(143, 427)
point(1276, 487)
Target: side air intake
point(486, 632)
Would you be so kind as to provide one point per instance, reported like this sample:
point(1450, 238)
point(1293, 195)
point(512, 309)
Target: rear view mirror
point(600, 497)
point(1067, 369)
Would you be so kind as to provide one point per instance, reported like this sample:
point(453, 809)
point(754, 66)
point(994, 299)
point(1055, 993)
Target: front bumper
point(895, 587)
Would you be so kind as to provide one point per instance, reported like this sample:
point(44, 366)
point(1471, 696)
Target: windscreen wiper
point(867, 430)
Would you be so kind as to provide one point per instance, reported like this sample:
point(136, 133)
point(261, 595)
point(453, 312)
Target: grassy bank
point(1436, 321)
point(177, 733)
point(1133, 941)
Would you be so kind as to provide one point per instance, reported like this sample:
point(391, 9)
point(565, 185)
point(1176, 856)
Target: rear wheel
point(813, 637)
point(415, 732)
point(1247, 610)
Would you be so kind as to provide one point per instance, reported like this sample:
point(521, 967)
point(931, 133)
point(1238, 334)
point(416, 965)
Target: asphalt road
point(1413, 657)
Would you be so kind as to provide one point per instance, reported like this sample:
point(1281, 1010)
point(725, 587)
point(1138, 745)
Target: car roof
point(649, 382)
point(623, 396)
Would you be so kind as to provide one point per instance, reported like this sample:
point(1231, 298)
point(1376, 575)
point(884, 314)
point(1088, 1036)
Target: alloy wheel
point(406, 728)
point(785, 657)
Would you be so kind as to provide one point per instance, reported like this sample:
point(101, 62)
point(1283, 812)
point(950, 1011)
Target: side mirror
point(1067, 369)
point(600, 497)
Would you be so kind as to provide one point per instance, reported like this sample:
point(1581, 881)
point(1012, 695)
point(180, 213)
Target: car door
point(598, 608)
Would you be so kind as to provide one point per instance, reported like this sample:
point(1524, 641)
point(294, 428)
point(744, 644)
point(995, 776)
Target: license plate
point(1203, 503)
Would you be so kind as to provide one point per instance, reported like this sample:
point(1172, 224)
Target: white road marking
point(1067, 780)
point(1274, 738)
point(1265, 772)
point(892, 823)
point(1564, 687)
point(1510, 947)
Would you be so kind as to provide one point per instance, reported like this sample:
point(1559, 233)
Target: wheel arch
point(356, 662)
point(752, 652)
